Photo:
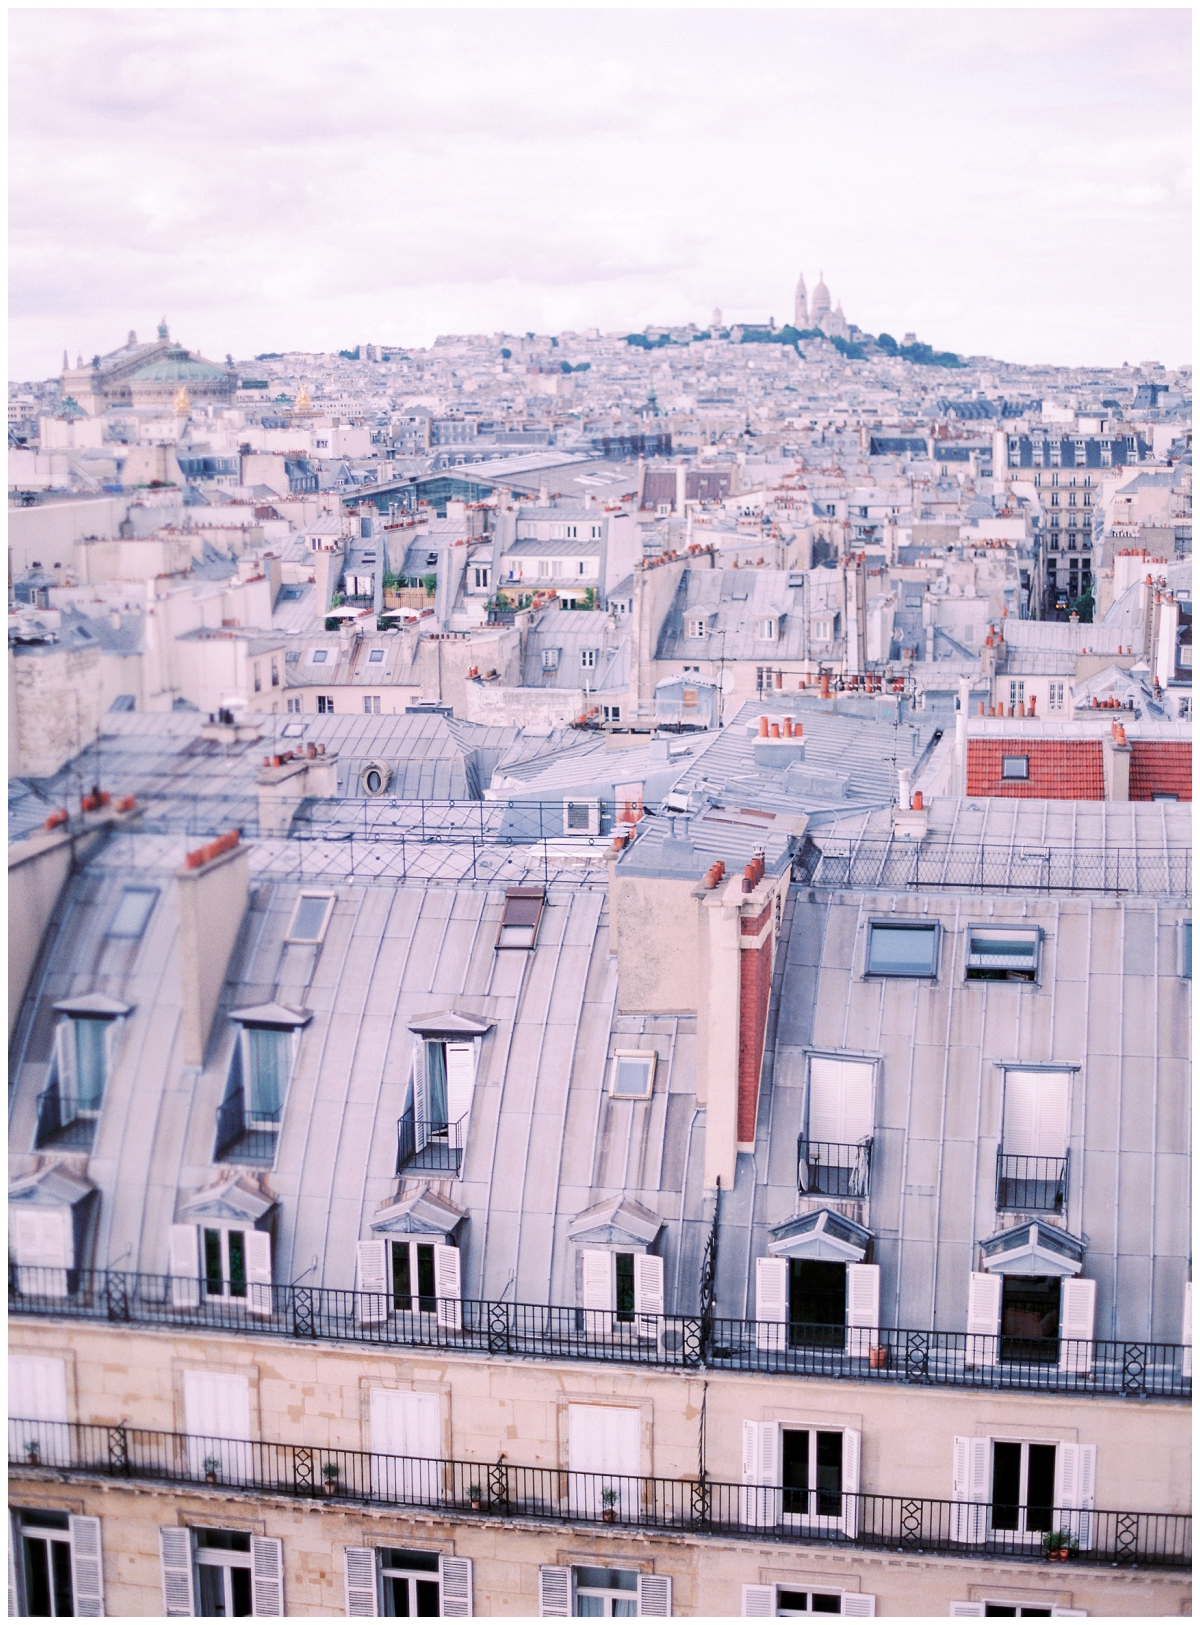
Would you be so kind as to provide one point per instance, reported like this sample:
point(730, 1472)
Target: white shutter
point(373, 1298)
point(1075, 1489)
point(216, 1407)
point(1077, 1321)
point(841, 1108)
point(37, 1399)
point(972, 1462)
point(654, 1596)
point(447, 1284)
point(43, 1246)
point(1053, 1102)
point(266, 1577)
point(858, 1105)
point(420, 1094)
point(175, 1562)
point(760, 1502)
point(966, 1610)
point(14, 1591)
point(758, 1602)
point(554, 1592)
point(65, 1055)
point(405, 1445)
point(457, 1591)
point(771, 1302)
point(984, 1298)
point(460, 1082)
point(1186, 1335)
point(361, 1599)
point(862, 1308)
point(851, 1459)
point(859, 1604)
point(87, 1567)
point(185, 1266)
point(1035, 1113)
point(258, 1272)
point(648, 1292)
point(598, 1285)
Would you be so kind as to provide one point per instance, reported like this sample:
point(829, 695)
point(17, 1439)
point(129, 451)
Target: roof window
point(522, 915)
point(320, 656)
point(1003, 954)
point(633, 1074)
point(375, 656)
point(310, 917)
point(132, 912)
point(1014, 767)
point(907, 949)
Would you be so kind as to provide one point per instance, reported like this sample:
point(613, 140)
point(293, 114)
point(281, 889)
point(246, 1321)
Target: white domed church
point(820, 314)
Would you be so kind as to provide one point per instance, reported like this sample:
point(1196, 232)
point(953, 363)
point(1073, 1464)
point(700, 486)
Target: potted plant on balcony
point(475, 1496)
point(212, 1465)
point(329, 1477)
point(609, 1498)
point(1058, 1544)
point(32, 1451)
point(877, 1356)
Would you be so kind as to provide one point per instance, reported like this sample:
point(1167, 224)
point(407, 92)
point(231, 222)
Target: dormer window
point(84, 1050)
point(767, 628)
point(697, 627)
point(259, 1072)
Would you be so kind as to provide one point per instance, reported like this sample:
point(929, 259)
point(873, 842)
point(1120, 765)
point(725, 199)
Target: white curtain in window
point(268, 1069)
point(91, 1050)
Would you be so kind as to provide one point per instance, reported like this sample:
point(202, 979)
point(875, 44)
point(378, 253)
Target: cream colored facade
point(319, 1396)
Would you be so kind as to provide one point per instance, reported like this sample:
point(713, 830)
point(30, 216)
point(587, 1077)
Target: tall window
point(606, 1593)
point(269, 1051)
point(410, 1582)
point(223, 1588)
point(1022, 1486)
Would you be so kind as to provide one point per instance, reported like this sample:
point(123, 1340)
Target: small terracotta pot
point(609, 1514)
point(1059, 1554)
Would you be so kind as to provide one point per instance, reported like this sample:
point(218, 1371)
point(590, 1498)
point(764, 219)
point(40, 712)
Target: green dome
point(181, 372)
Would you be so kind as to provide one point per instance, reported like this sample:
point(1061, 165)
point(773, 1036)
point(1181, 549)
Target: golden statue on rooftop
point(303, 399)
point(183, 401)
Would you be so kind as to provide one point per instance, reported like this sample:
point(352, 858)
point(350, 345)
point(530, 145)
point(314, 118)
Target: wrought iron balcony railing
point(1031, 1184)
point(1144, 1370)
point(243, 1136)
point(465, 1489)
point(65, 1121)
point(436, 1146)
point(825, 1168)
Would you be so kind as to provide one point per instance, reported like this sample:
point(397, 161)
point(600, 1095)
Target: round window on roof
point(375, 778)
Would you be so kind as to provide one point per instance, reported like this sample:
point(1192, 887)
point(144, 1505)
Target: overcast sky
point(1010, 183)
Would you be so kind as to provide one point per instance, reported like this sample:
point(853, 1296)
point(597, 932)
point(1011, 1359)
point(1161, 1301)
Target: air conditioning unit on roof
point(581, 817)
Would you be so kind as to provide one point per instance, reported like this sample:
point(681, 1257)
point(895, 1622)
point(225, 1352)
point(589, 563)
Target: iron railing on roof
point(464, 1489)
point(825, 1168)
point(1030, 1184)
point(1143, 1370)
point(244, 1138)
point(935, 865)
point(64, 1120)
point(433, 1145)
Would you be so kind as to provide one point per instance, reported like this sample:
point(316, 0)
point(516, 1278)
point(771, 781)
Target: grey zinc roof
point(570, 632)
point(530, 547)
point(739, 599)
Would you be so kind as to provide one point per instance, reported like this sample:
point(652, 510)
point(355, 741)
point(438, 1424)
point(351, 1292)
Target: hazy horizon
point(1006, 183)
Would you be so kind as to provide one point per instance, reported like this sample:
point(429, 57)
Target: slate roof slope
point(739, 600)
point(570, 632)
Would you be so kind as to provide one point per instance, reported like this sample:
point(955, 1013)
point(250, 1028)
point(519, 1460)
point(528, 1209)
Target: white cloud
point(1002, 182)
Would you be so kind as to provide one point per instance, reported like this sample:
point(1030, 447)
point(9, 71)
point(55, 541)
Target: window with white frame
point(822, 629)
point(409, 1276)
point(626, 1286)
point(800, 1475)
point(371, 704)
point(220, 1573)
point(1014, 767)
point(550, 659)
point(605, 1593)
point(294, 705)
point(1003, 953)
point(1058, 696)
point(587, 659)
point(590, 1591)
point(902, 948)
point(319, 657)
point(793, 1602)
point(697, 627)
point(1016, 692)
point(483, 576)
point(766, 628)
point(375, 658)
point(57, 1569)
point(310, 917)
point(632, 1074)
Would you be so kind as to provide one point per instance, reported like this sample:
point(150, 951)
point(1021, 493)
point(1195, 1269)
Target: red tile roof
point(1162, 767)
point(1059, 769)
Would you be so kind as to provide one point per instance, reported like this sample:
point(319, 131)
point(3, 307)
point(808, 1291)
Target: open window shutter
point(968, 1519)
point(258, 1272)
point(751, 1453)
point(361, 1599)
point(37, 1396)
point(851, 1459)
point(1077, 1322)
point(758, 1602)
point(185, 1266)
point(554, 1592)
point(859, 1604)
point(457, 1595)
point(447, 1281)
point(1075, 1489)
point(648, 1292)
point(654, 1596)
point(266, 1577)
point(770, 1301)
point(761, 1471)
point(175, 1559)
point(1050, 1133)
point(1186, 1337)
point(420, 1093)
point(984, 1297)
point(460, 1083)
point(373, 1299)
point(87, 1567)
point(862, 1308)
point(598, 1270)
point(966, 1610)
point(858, 1106)
point(1020, 1114)
point(65, 1056)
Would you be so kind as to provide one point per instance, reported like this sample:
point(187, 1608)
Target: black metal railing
point(1031, 1184)
point(66, 1121)
point(1144, 1370)
point(691, 1506)
point(245, 1137)
point(433, 1145)
point(825, 1168)
point(943, 865)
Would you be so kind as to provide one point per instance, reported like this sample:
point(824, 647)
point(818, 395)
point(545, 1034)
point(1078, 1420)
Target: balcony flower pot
point(475, 1497)
point(32, 1452)
point(878, 1357)
point(1059, 1546)
point(212, 1465)
point(329, 1478)
point(609, 1514)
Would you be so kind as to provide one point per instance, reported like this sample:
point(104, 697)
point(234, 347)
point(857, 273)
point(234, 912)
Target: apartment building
point(783, 1213)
